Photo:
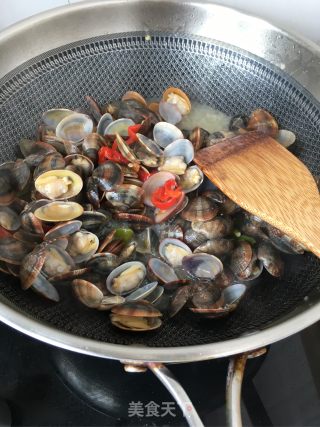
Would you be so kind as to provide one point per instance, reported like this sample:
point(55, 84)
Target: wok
point(218, 56)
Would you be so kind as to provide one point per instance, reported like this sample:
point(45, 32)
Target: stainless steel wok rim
point(22, 42)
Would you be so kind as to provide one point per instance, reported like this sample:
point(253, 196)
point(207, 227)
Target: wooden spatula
point(264, 178)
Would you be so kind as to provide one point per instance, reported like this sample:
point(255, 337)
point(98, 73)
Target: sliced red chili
point(107, 153)
point(167, 195)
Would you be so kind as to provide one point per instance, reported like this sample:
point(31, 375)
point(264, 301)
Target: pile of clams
point(108, 200)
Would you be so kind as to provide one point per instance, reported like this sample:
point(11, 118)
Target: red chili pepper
point(132, 131)
point(107, 153)
point(167, 195)
point(143, 174)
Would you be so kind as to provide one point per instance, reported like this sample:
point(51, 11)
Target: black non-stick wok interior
point(225, 78)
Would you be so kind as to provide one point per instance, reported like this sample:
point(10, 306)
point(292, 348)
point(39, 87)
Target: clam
point(126, 278)
point(91, 146)
point(180, 147)
point(164, 133)
point(198, 138)
point(194, 238)
point(125, 150)
point(104, 122)
point(142, 292)
point(161, 271)
point(119, 126)
point(176, 96)
point(191, 179)
point(213, 229)
point(149, 146)
point(146, 241)
point(137, 324)
point(57, 261)
point(241, 257)
point(62, 230)
point(89, 294)
point(174, 231)
point(52, 118)
point(94, 108)
point(238, 123)
point(170, 112)
point(92, 192)
point(218, 247)
point(173, 251)
point(199, 209)
point(35, 150)
point(59, 184)
point(59, 211)
point(128, 250)
point(136, 316)
point(44, 288)
point(285, 137)
point(82, 245)
point(164, 215)
point(132, 95)
point(21, 174)
point(155, 295)
point(108, 176)
point(228, 302)
point(179, 300)
point(93, 220)
point(7, 187)
point(75, 127)
point(52, 161)
point(103, 262)
point(271, 259)
point(153, 183)
point(202, 265)
point(31, 267)
point(262, 121)
point(174, 164)
point(82, 164)
point(124, 196)
point(9, 219)
point(13, 251)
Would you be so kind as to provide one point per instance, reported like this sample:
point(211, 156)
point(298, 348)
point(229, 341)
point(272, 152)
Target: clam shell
point(53, 117)
point(46, 184)
point(142, 292)
point(162, 271)
point(59, 211)
point(202, 265)
point(75, 127)
point(170, 255)
point(155, 181)
point(164, 133)
point(180, 147)
point(119, 126)
point(119, 270)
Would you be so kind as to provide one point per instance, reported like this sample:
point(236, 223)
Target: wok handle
point(236, 369)
point(177, 392)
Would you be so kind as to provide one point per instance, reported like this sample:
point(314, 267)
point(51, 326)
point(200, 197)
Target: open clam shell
point(53, 117)
point(142, 292)
point(164, 133)
point(119, 126)
point(155, 181)
point(59, 211)
point(59, 184)
point(173, 251)
point(180, 147)
point(82, 245)
point(75, 127)
point(202, 265)
point(126, 278)
point(161, 271)
point(191, 179)
point(103, 124)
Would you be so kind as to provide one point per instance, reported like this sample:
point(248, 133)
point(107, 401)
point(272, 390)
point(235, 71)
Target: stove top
point(43, 385)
